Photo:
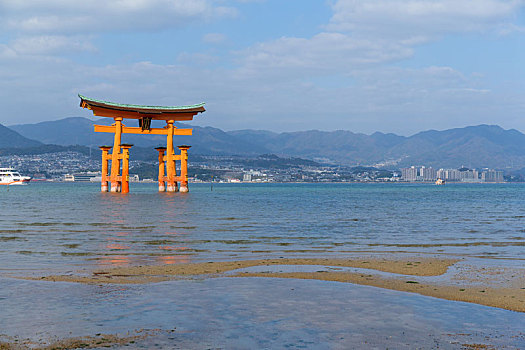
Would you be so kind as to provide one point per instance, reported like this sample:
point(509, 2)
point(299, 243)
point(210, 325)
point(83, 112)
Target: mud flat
point(496, 287)
point(87, 342)
point(505, 298)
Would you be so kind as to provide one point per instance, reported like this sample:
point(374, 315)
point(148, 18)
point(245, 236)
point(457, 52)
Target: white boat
point(9, 176)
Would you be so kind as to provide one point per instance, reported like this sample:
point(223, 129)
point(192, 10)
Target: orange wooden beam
point(152, 131)
point(175, 157)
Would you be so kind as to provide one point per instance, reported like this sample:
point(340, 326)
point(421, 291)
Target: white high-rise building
point(428, 174)
point(449, 174)
point(409, 174)
point(492, 176)
point(469, 176)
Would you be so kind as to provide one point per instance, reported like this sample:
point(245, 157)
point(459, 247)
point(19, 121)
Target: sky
point(400, 66)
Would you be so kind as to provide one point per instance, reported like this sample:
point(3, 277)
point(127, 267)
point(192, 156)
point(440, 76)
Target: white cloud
point(196, 59)
point(406, 18)
point(6, 52)
point(214, 38)
point(332, 53)
point(388, 99)
point(61, 16)
point(50, 44)
point(361, 34)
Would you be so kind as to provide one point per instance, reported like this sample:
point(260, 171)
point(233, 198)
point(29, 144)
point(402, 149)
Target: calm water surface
point(61, 227)
point(66, 228)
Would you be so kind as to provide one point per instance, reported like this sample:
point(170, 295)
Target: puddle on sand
point(253, 313)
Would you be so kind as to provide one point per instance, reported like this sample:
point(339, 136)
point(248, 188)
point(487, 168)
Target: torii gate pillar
point(171, 170)
point(124, 183)
point(184, 168)
point(105, 167)
point(162, 178)
point(115, 156)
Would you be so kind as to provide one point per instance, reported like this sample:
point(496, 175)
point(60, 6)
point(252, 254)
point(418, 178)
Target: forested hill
point(12, 139)
point(473, 146)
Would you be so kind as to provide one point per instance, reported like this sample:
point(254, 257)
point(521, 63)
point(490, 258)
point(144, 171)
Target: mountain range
point(10, 138)
point(474, 146)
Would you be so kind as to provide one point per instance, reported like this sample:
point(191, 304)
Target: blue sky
point(399, 66)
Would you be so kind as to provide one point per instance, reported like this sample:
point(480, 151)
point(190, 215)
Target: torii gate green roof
point(139, 108)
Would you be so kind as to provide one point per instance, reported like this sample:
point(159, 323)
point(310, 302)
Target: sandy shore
point(505, 298)
point(157, 273)
point(502, 288)
point(89, 342)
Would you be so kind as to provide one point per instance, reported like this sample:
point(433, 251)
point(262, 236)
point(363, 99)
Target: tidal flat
point(263, 266)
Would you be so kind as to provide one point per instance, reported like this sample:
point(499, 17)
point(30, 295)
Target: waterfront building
point(469, 176)
point(409, 174)
point(491, 175)
point(449, 174)
point(428, 174)
point(418, 174)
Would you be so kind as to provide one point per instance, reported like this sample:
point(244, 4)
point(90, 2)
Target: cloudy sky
point(284, 65)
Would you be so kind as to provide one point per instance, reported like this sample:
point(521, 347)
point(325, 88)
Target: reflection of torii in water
point(144, 114)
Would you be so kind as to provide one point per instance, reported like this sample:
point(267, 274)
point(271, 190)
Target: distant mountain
point(65, 132)
point(79, 131)
point(338, 146)
point(473, 146)
point(11, 139)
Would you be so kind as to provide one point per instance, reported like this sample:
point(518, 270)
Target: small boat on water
point(440, 182)
point(9, 176)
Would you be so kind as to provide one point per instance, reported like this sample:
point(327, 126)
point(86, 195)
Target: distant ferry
point(9, 176)
point(440, 182)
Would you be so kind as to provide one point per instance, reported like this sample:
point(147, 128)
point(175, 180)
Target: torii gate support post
point(162, 186)
point(105, 161)
point(125, 167)
point(184, 168)
point(115, 156)
point(171, 185)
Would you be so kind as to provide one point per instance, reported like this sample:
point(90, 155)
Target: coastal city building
point(428, 174)
point(469, 176)
point(409, 174)
point(452, 175)
point(489, 175)
point(448, 174)
point(75, 167)
point(418, 174)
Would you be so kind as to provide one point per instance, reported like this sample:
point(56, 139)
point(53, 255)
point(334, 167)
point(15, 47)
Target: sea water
point(63, 228)
point(58, 227)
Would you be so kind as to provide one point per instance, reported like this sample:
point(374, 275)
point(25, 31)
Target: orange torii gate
point(119, 180)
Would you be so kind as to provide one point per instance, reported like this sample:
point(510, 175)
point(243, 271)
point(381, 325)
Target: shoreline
point(296, 182)
point(445, 278)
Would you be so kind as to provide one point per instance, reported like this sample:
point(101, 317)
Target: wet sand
point(158, 273)
point(88, 342)
point(504, 298)
point(502, 288)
